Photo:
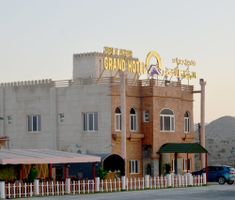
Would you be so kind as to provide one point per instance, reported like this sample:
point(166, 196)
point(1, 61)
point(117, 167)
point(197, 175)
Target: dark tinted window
point(220, 168)
point(210, 168)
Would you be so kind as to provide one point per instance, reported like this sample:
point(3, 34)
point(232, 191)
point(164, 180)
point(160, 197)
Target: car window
point(231, 169)
point(220, 168)
point(211, 168)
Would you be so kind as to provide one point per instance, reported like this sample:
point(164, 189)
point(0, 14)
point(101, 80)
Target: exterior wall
point(153, 98)
point(20, 101)
point(2, 111)
point(134, 139)
point(75, 100)
point(89, 65)
point(84, 65)
point(49, 101)
point(179, 100)
point(147, 127)
point(179, 106)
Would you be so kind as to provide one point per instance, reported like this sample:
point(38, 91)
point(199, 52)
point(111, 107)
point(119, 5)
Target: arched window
point(186, 122)
point(167, 120)
point(118, 119)
point(133, 120)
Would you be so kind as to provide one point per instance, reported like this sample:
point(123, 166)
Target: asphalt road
point(215, 192)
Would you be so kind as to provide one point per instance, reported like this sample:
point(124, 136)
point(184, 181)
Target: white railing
point(116, 81)
point(50, 188)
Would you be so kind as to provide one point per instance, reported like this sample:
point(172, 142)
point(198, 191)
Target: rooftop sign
point(122, 59)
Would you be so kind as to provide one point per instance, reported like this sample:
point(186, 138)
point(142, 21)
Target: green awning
point(182, 148)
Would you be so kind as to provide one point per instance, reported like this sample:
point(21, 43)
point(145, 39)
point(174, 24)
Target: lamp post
point(123, 110)
point(202, 123)
point(202, 139)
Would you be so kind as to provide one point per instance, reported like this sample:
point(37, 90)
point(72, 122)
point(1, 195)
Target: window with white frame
point(134, 166)
point(167, 120)
point(9, 119)
point(61, 117)
point(186, 123)
point(90, 121)
point(34, 123)
point(186, 164)
point(133, 120)
point(146, 116)
point(118, 119)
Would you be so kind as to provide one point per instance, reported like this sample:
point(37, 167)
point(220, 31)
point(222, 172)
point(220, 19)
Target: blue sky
point(39, 37)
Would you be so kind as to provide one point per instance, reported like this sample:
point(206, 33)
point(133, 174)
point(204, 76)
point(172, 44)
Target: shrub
point(8, 174)
point(32, 174)
point(102, 173)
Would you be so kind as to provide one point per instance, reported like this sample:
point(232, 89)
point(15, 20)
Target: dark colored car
point(220, 174)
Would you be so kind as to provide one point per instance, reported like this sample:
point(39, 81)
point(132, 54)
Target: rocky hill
point(220, 141)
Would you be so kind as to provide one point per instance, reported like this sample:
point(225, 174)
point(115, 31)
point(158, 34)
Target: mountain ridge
point(220, 141)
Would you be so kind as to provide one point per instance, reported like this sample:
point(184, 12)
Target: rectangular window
point(90, 121)
point(118, 123)
point(133, 122)
point(186, 125)
point(167, 123)
point(134, 166)
point(9, 119)
point(161, 123)
point(61, 117)
point(34, 123)
point(186, 164)
point(145, 116)
point(172, 127)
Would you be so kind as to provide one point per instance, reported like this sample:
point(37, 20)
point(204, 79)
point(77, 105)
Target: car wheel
point(221, 180)
point(230, 182)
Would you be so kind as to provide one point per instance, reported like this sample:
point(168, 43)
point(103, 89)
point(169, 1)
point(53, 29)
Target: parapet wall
point(27, 83)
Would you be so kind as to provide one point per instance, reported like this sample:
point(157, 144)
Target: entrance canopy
point(182, 148)
point(43, 156)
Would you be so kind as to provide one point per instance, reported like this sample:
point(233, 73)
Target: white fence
point(50, 188)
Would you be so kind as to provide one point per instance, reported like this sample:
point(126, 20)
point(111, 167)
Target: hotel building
point(85, 115)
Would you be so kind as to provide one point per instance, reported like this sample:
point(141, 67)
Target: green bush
point(102, 173)
point(8, 174)
point(32, 174)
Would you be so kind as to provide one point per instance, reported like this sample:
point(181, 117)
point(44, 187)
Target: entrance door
point(113, 163)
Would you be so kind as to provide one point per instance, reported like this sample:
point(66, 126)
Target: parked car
point(220, 174)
